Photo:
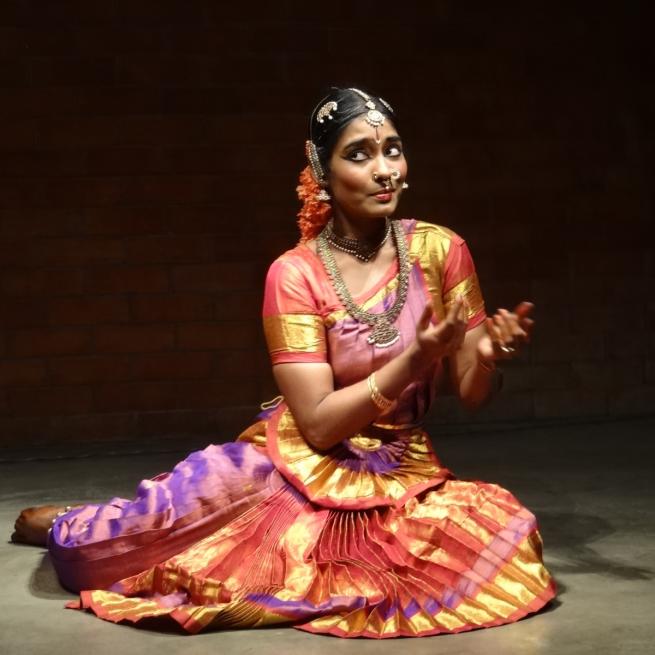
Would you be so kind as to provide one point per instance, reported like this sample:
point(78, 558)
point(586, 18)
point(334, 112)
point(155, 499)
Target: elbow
point(316, 437)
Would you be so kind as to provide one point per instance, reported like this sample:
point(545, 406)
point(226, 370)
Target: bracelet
point(381, 402)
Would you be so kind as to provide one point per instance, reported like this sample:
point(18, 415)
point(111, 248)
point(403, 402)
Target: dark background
point(148, 157)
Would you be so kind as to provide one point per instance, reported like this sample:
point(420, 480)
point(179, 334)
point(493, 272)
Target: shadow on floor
point(568, 534)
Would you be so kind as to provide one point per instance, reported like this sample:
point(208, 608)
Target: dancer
point(331, 512)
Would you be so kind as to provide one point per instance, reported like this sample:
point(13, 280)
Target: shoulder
point(431, 241)
point(295, 263)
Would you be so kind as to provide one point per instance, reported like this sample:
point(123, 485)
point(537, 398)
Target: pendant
point(383, 335)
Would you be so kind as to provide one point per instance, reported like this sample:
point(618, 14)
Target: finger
point(454, 310)
point(523, 309)
point(514, 327)
point(503, 327)
point(464, 311)
point(424, 321)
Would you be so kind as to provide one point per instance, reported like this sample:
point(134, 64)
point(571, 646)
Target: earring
point(405, 185)
point(323, 196)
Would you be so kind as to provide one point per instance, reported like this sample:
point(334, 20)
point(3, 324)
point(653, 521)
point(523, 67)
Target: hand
point(437, 341)
point(506, 333)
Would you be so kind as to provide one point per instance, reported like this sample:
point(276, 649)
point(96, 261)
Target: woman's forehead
point(358, 129)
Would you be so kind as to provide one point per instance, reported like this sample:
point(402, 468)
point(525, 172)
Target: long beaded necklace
point(384, 333)
point(361, 249)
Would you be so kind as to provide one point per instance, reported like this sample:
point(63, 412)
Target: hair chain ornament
point(383, 332)
point(326, 111)
point(361, 249)
point(314, 162)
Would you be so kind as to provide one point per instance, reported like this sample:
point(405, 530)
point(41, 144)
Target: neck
point(363, 230)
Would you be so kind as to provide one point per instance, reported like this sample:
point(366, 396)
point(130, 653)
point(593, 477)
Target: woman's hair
point(326, 123)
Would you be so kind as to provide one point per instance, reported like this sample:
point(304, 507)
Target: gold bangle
point(381, 402)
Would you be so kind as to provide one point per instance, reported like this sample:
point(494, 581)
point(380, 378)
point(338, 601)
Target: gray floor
point(589, 484)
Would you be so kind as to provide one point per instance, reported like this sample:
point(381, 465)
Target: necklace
point(383, 332)
point(361, 249)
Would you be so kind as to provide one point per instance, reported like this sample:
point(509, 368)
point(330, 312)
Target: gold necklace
point(383, 332)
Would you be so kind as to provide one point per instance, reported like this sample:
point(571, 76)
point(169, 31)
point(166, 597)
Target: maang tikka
point(374, 117)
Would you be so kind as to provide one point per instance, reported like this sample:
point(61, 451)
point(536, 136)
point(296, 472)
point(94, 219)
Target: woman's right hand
point(437, 341)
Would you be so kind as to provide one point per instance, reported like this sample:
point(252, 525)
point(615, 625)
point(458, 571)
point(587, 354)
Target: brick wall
point(148, 158)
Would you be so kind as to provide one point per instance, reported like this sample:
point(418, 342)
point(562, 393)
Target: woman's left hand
point(506, 333)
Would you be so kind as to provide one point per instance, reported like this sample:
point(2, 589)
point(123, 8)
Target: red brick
point(199, 219)
point(18, 133)
point(124, 161)
point(42, 162)
point(556, 347)
point(50, 401)
point(60, 252)
point(22, 372)
point(23, 313)
point(88, 310)
point(40, 282)
point(91, 427)
point(123, 221)
point(512, 406)
point(174, 366)
point(92, 368)
point(633, 401)
point(562, 403)
point(134, 338)
point(591, 375)
point(72, 71)
point(172, 307)
point(216, 277)
point(237, 364)
point(169, 249)
point(246, 305)
point(634, 344)
point(53, 341)
point(84, 102)
point(220, 336)
point(135, 279)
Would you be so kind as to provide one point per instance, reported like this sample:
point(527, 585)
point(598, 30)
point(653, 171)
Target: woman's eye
point(394, 151)
point(357, 155)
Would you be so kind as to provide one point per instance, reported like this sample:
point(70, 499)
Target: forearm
point(343, 412)
point(477, 384)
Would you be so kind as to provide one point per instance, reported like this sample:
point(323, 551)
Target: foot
point(32, 525)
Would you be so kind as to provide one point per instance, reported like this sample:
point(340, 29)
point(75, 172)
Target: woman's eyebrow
point(367, 140)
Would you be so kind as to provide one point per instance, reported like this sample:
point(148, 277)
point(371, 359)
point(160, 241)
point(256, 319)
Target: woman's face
point(362, 178)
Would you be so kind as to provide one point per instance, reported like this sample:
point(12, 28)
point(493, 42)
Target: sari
point(372, 538)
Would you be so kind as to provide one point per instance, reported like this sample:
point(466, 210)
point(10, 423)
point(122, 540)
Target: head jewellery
point(314, 162)
point(326, 111)
point(374, 117)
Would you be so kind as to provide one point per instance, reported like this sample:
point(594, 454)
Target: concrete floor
point(589, 484)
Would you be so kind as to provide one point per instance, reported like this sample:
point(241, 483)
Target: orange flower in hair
point(313, 214)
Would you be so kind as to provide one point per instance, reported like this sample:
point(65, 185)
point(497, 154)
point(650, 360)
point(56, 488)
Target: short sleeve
point(459, 277)
point(293, 326)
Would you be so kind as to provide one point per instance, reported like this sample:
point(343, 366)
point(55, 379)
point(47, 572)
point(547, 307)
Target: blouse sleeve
point(293, 326)
point(459, 277)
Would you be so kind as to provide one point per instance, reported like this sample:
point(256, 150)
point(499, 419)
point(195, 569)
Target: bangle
point(381, 402)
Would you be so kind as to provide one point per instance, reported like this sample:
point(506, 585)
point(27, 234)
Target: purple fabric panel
point(97, 544)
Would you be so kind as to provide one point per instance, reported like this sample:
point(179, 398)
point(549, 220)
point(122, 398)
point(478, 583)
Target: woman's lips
point(383, 196)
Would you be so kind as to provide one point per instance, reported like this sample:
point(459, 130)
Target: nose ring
point(395, 174)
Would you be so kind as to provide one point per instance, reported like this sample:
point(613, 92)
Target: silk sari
point(373, 538)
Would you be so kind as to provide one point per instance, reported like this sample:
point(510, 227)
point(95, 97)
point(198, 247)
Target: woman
point(332, 512)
